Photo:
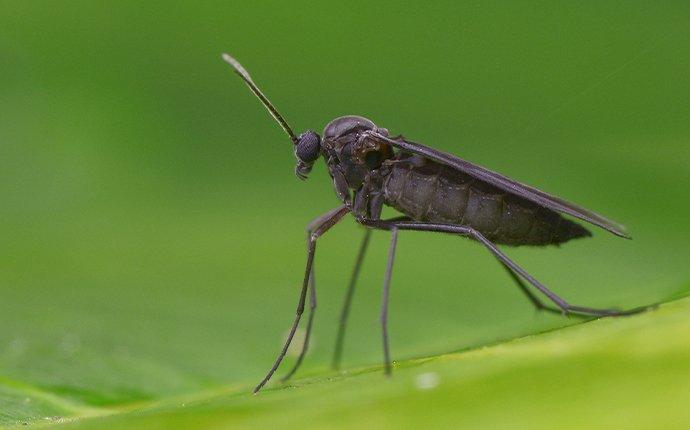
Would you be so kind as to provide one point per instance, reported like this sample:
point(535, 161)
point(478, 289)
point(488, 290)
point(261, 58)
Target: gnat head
point(307, 145)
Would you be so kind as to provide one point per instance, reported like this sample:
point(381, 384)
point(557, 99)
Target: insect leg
point(310, 322)
point(318, 228)
point(312, 304)
point(504, 259)
point(344, 313)
point(530, 296)
point(565, 307)
point(384, 301)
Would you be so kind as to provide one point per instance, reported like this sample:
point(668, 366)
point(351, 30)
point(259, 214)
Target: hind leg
point(563, 305)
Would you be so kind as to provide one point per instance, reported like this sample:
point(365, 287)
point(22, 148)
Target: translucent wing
point(506, 184)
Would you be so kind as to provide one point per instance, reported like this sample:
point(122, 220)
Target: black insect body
point(432, 192)
point(435, 192)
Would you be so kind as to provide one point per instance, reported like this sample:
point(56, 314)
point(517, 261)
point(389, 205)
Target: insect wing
point(506, 184)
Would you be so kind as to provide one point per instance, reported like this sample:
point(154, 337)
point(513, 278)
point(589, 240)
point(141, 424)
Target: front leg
point(317, 228)
point(342, 190)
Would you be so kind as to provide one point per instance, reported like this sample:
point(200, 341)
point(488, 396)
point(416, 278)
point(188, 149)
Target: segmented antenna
point(257, 92)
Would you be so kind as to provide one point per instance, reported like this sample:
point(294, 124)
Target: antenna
point(257, 92)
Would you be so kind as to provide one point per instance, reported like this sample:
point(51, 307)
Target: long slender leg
point(312, 306)
point(530, 296)
point(310, 322)
point(521, 285)
point(320, 226)
point(384, 300)
point(504, 259)
point(345, 312)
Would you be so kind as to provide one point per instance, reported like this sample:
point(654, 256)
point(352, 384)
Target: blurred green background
point(151, 227)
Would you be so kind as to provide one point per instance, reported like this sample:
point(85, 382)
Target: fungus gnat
point(435, 192)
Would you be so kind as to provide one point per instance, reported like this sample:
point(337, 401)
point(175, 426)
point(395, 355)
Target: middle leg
point(345, 312)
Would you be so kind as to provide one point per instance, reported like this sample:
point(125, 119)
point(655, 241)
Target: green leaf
point(627, 372)
point(152, 230)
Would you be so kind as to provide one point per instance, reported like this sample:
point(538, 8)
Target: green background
point(151, 226)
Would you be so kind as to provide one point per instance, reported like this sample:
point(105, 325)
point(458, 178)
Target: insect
point(435, 192)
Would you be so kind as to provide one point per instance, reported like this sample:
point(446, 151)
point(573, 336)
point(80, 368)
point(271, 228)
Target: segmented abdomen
point(432, 192)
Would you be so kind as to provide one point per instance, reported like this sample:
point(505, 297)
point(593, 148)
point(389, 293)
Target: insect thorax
point(347, 150)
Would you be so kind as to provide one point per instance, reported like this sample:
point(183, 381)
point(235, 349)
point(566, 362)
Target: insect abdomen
point(432, 192)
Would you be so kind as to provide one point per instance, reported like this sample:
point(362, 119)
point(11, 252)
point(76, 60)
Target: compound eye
point(308, 146)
